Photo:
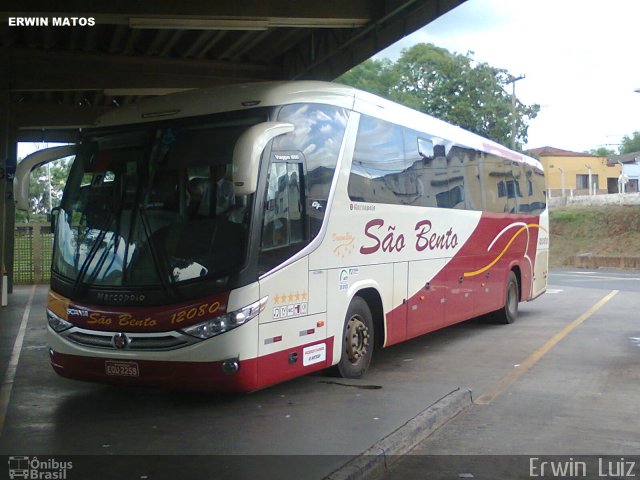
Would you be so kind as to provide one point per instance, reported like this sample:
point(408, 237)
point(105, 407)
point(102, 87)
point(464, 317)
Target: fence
point(610, 199)
point(33, 245)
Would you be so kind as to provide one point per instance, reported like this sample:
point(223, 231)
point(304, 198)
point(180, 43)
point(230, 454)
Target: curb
point(599, 261)
point(376, 459)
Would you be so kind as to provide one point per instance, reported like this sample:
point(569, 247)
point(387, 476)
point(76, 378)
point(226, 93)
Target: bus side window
point(379, 172)
point(495, 187)
point(539, 195)
point(317, 139)
point(283, 217)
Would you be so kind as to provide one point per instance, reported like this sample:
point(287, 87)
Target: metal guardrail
point(33, 247)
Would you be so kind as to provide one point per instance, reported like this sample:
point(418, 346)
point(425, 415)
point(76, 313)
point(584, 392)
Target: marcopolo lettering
point(121, 297)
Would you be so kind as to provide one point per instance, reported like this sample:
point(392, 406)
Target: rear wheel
point(509, 312)
point(357, 340)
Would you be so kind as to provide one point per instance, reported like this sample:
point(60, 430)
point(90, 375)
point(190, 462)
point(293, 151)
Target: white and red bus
point(236, 237)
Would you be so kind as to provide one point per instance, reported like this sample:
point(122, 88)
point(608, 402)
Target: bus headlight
point(57, 323)
point(226, 322)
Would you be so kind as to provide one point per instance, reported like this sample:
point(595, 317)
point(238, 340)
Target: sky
point(579, 57)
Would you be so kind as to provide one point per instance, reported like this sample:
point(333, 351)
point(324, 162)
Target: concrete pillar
point(10, 208)
point(4, 155)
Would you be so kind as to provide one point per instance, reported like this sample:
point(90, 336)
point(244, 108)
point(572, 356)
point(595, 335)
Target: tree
point(373, 76)
point(601, 152)
point(451, 87)
point(630, 143)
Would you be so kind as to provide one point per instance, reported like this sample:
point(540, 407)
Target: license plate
point(121, 369)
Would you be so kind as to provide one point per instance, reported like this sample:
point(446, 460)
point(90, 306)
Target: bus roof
point(250, 95)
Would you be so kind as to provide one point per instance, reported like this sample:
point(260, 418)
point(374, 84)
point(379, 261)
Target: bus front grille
point(135, 341)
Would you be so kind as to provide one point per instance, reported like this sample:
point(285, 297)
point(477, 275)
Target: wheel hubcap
point(356, 339)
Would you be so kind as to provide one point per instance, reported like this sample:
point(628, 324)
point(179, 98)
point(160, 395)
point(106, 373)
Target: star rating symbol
point(290, 298)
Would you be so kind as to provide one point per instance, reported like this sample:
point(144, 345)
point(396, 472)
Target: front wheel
point(357, 340)
point(509, 312)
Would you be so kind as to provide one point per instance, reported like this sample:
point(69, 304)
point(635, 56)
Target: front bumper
point(200, 376)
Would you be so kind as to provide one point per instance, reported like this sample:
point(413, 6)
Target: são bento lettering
point(390, 240)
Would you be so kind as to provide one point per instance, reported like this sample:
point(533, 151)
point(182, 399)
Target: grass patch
point(611, 230)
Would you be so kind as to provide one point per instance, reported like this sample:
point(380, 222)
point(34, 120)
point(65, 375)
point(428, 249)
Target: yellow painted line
point(10, 374)
point(513, 376)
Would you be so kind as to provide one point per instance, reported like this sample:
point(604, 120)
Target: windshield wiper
point(115, 240)
point(92, 253)
point(155, 255)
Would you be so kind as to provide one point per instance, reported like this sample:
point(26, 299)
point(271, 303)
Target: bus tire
point(357, 340)
point(509, 312)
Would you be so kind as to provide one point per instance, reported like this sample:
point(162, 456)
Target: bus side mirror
point(247, 153)
point(31, 162)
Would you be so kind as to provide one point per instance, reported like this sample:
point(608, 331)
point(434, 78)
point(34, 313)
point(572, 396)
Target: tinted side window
point(512, 187)
point(282, 221)
point(495, 184)
point(513, 174)
point(427, 163)
point(317, 138)
point(538, 200)
point(401, 166)
point(379, 163)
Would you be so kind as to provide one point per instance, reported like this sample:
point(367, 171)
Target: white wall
point(610, 199)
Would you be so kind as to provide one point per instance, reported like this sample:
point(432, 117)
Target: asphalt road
point(626, 281)
point(591, 374)
point(576, 405)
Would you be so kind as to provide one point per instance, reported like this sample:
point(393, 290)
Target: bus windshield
point(154, 206)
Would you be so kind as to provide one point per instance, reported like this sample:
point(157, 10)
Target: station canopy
point(61, 77)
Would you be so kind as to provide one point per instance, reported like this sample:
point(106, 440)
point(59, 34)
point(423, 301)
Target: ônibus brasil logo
point(33, 468)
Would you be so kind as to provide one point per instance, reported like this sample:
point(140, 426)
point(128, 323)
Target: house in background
point(570, 171)
point(630, 169)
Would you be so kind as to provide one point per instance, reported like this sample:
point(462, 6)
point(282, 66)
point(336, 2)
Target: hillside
point(596, 230)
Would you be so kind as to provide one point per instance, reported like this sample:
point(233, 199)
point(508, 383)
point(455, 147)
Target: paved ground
point(626, 281)
point(580, 398)
point(583, 376)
